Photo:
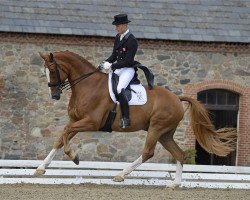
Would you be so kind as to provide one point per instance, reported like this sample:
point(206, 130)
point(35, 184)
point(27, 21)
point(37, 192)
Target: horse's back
point(161, 94)
point(165, 102)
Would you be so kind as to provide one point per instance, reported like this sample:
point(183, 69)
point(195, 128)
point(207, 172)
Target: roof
point(190, 20)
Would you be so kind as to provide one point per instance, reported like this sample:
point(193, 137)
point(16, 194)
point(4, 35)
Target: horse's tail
point(218, 142)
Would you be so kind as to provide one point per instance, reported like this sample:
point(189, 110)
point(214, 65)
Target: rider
point(124, 51)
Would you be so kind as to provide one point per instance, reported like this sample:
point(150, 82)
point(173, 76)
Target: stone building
point(199, 48)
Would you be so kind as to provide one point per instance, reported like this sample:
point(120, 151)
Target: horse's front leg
point(41, 169)
point(80, 126)
point(67, 150)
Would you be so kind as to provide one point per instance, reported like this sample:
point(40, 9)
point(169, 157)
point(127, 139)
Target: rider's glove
point(107, 65)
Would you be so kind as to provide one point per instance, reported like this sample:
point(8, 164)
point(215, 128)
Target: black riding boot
point(125, 122)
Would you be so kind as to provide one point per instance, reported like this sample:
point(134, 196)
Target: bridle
point(61, 85)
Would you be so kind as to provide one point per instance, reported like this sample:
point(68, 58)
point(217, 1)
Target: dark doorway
point(223, 107)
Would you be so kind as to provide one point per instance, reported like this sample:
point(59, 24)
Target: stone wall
point(30, 121)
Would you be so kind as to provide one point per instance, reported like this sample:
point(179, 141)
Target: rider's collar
point(122, 35)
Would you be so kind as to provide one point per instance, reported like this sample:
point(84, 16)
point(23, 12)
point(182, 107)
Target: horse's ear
point(51, 57)
point(42, 55)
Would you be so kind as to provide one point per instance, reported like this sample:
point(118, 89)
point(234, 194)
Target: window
point(218, 99)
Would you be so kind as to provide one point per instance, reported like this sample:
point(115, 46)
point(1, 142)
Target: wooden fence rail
point(149, 174)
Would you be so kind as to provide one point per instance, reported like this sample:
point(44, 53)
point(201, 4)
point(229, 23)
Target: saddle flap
point(115, 81)
point(136, 93)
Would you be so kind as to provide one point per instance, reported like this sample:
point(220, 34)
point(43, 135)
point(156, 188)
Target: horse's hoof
point(118, 179)
point(76, 160)
point(174, 186)
point(39, 172)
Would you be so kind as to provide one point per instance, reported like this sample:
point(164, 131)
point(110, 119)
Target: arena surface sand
point(97, 192)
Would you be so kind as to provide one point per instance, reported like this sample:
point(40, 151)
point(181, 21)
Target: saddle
point(128, 90)
point(135, 93)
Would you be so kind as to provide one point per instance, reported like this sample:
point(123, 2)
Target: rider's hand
point(107, 65)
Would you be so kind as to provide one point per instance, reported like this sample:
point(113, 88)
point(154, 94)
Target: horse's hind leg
point(169, 144)
point(148, 152)
point(57, 145)
point(120, 177)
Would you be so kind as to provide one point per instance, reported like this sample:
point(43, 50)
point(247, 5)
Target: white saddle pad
point(139, 97)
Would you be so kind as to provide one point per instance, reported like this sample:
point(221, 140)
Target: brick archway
point(243, 142)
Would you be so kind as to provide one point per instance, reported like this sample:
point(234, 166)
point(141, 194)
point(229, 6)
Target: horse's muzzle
point(56, 94)
point(56, 97)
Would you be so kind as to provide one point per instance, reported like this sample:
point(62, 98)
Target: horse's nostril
point(56, 97)
point(56, 94)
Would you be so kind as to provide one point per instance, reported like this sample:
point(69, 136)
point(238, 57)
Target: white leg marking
point(131, 167)
point(178, 174)
point(47, 160)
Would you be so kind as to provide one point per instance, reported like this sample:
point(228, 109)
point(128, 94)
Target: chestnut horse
point(90, 104)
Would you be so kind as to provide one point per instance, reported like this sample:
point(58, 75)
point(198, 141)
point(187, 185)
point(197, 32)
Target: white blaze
point(47, 75)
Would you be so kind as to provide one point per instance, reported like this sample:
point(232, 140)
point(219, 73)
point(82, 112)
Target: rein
point(67, 84)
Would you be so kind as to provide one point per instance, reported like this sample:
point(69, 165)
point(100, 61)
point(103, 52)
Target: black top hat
point(120, 19)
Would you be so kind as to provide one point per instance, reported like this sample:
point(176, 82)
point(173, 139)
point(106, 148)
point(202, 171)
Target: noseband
point(59, 82)
point(66, 84)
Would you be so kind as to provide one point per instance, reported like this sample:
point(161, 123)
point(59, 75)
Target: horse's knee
point(67, 151)
point(58, 144)
point(67, 128)
point(146, 156)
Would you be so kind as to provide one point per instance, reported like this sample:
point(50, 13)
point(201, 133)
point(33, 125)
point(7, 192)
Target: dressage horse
point(90, 104)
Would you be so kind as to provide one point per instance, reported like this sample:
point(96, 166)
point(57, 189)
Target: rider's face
point(121, 28)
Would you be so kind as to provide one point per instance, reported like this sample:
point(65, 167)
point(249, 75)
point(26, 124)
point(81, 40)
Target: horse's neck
point(79, 69)
point(86, 84)
point(90, 91)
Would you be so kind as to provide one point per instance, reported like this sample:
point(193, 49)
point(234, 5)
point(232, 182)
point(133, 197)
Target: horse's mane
point(76, 56)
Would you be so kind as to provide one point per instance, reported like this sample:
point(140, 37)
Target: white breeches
point(125, 76)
